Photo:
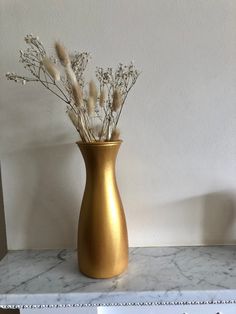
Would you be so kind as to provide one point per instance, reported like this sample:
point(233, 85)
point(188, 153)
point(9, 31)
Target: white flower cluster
point(30, 38)
point(79, 63)
point(14, 77)
point(123, 78)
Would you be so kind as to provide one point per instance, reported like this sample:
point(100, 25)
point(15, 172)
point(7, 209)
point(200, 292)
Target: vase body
point(102, 232)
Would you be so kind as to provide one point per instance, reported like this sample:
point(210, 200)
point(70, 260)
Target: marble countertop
point(164, 275)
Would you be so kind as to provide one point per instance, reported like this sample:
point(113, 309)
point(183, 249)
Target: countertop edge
point(144, 298)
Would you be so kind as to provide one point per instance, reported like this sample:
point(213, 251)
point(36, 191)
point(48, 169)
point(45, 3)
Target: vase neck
point(99, 157)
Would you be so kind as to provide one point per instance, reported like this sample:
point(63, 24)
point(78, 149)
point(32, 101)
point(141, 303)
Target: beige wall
point(177, 165)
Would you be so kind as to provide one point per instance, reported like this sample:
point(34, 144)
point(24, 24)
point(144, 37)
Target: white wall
point(177, 165)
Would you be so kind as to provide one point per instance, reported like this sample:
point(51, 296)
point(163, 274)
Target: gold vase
point(102, 232)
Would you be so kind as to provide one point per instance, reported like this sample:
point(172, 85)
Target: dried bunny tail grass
point(77, 94)
point(115, 135)
point(62, 54)
point(73, 117)
point(51, 68)
point(117, 100)
point(90, 105)
point(70, 75)
point(102, 98)
point(93, 90)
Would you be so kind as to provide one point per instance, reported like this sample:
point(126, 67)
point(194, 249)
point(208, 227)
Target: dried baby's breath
point(87, 105)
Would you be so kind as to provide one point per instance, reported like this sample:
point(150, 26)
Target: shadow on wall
point(47, 185)
point(219, 219)
point(208, 219)
point(55, 205)
point(43, 188)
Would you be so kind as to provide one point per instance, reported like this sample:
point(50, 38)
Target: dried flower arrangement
point(94, 111)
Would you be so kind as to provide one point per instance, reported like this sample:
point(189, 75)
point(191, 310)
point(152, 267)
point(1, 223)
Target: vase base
point(102, 275)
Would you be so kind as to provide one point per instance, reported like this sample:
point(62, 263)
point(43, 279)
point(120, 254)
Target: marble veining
point(155, 275)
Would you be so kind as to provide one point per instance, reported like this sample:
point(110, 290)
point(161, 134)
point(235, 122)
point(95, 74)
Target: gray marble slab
point(155, 275)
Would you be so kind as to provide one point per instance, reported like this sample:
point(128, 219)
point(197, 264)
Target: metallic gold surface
point(102, 234)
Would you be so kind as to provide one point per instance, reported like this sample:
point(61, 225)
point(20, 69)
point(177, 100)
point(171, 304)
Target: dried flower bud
point(93, 90)
point(116, 103)
point(51, 68)
point(30, 38)
point(102, 98)
point(90, 105)
point(115, 135)
point(70, 75)
point(73, 117)
point(77, 94)
point(62, 54)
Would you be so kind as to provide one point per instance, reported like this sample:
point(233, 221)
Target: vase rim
point(100, 143)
